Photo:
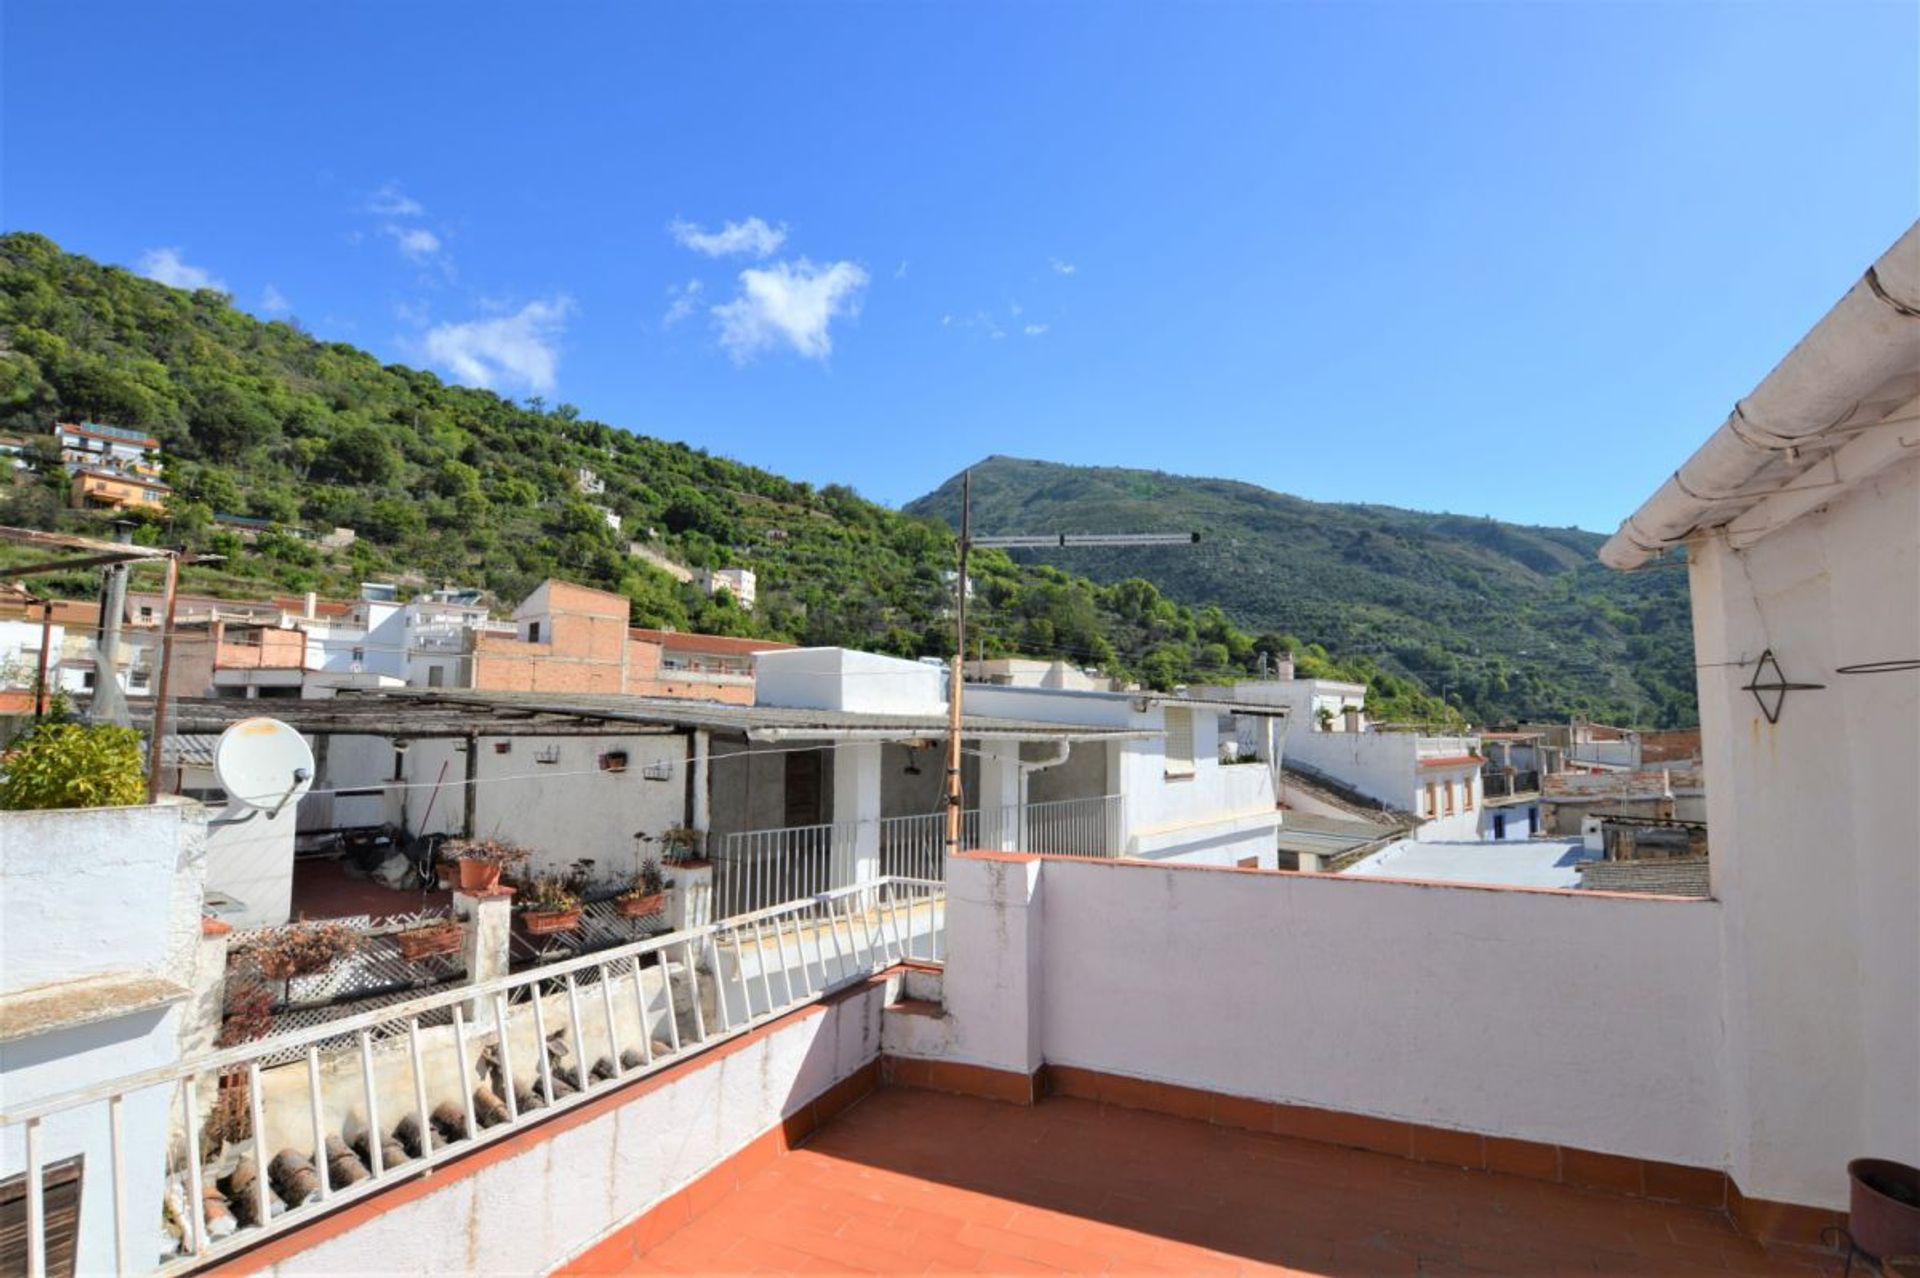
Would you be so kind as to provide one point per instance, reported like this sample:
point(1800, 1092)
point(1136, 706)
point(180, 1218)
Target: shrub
point(70, 765)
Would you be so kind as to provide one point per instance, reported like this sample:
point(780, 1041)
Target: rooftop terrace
point(919, 1182)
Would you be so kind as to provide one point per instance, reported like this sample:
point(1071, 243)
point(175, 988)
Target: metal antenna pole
point(954, 796)
point(968, 541)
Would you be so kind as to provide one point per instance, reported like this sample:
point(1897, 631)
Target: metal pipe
point(163, 685)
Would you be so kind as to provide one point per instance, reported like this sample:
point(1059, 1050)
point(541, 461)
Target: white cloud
point(792, 304)
point(414, 313)
point(682, 300)
point(391, 201)
point(1060, 267)
point(1015, 309)
point(522, 349)
point(753, 237)
point(416, 243)
point(900, 271)
point(1034, 330)
point(273, 301)
point(167, 266)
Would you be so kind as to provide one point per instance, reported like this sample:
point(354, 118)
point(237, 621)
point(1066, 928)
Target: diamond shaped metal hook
point(1770, 687)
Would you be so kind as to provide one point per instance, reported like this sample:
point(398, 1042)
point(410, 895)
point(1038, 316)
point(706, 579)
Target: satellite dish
point(263, 763)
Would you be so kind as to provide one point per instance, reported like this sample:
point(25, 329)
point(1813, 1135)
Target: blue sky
point(1502, 259)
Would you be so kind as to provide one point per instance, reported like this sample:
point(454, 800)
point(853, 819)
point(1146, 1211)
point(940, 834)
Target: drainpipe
point(1061, 749)
point(1871, 336)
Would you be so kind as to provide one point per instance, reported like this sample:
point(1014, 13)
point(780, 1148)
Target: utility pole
point(954, 797)
point(1062, 541)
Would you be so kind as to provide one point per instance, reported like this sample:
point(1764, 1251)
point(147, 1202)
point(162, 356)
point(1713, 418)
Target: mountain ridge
point(1501, 613)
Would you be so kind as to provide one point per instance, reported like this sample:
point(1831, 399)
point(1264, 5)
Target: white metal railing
point(483, 1051)
point(1093, 827)
point(916, 846)
point(758, 867)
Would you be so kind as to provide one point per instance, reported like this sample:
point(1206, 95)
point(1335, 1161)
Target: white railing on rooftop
point(442, 1067)
point(756, 867)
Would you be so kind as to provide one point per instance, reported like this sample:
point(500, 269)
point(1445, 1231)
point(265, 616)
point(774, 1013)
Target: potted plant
point(482, 860)
point(303, 950)
point(680, 845)
point(548, 907)
point(647, 896)
point(440, 937)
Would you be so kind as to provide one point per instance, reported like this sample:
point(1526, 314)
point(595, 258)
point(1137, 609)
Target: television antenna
point(263, 764)
point(1057, 541)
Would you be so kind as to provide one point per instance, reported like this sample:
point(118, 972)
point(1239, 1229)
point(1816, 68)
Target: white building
point(1801, 521)
point(738, 582)
point(1436, 779)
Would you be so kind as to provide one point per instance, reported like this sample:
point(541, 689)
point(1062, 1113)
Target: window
point(1179, 742)
point(614, 761)
point(138, 679)
point(503, 747)
point(146, 612)
point(436, 676)
point(359, 654)
point(533, 632)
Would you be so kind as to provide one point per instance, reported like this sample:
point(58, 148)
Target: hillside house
point(93, 488)
point(741, 583)
point(115, 449)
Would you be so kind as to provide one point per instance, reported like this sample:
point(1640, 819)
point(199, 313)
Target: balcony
point(758, 868)
point(1509, 784)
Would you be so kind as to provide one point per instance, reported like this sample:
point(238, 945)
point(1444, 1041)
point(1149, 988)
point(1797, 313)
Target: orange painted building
point(115, 490)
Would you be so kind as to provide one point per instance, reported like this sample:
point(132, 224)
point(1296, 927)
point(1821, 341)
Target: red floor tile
point(919, 1182)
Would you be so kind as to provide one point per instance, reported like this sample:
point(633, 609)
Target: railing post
point(689, 895)
point(488, 941)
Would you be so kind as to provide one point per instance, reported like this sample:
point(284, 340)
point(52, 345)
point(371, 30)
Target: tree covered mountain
point(1505, 621)
point(450, 484)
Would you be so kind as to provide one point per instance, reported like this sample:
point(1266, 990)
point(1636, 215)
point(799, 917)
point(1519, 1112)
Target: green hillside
point(446, 484)
point(1505, 620)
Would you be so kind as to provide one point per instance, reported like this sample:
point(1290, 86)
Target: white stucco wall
point(530, 1212)
point(95, 890)
point(91, 893)
point(841, 679)
point(1814, 824)
point(1573, 1019)
point(562, 810)
point(1378, 764)
point(251, 860)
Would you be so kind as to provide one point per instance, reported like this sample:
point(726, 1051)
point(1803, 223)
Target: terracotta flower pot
point(639, 907)
point(479, 876)
point(425, 942)
point(547, 922)
point(1884, 1208)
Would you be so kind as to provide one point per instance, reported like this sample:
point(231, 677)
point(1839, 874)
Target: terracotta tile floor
point(322, 889)
point(915, 1182)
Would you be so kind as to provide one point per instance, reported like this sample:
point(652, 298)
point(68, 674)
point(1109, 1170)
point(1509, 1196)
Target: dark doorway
point(806, 775)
